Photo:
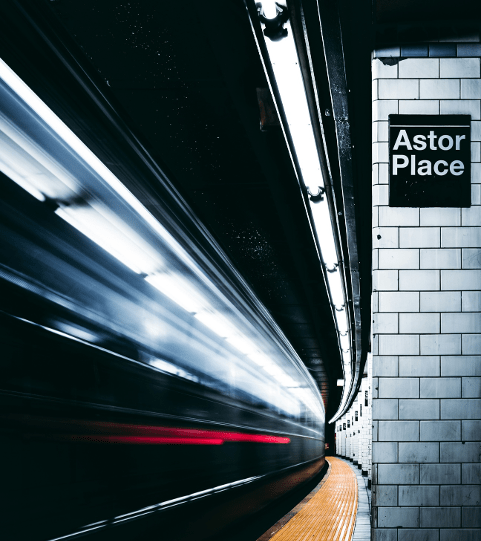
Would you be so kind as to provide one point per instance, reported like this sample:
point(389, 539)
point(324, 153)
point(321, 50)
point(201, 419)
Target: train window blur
point(50, 162)
point(129, 356)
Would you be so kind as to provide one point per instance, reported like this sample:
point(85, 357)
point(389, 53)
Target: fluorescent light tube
point(325, 233)
point(336, 290)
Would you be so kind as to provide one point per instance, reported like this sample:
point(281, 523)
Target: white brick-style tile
point(417, 535)
point(475, 194)
point(444, 258)
point(382, 133)
point(460, 107)
point(475, 131)
point(399, 259)
point(383, 71)
point(471, 301)
point(375, 177)
point(385, 237)
point(461, 280)
point(440, 216)
point(471, 517)
point(475, 152)
point(384, 452)
point(383, 173)
point(471, 258)
point(405, 474)
point(471, 387)
point(383, 410)
point(380, 194)
point(476, 173)
point(404, 517)
point(380, 152)
point(419, 107)
point(471, 216)
point(467, 365)
point(440, 388)
point(419, 68)
point(419, 280)
point(470, 430)
point(420, 496)
point(419, 237)
point(398, 431)
point(398, 387)
point(398, 302)
point(419, 366)
point(385, 365)
point(471, 89)
point(440, 301)
point(385, 280)
point(440, 431)
point(385, 495)
point(375, 90)
point(441, 344)
point(471, 344)
point(418, 409)
point(461, 237)
point(419, 323)
point(420, 452)
point(461, 322)
point(459, 67)
point(385, 323)
point(461, 408)
point(400, 89)
point(436, 89)
point(440, 517)
point(460, 495)
point(398, 344)
point(396, 216)
point(383, 108)
point(471, 473)
point(459, 452)
point(440, 474)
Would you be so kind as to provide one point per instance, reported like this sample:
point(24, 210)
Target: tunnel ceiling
point(184, 76)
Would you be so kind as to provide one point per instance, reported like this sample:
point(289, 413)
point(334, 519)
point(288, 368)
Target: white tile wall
point(414, 68)
point(459, 67)
point(436, 89)
point(427, 325)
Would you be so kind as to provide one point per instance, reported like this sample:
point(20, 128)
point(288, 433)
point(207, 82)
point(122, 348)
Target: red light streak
point(120, 433)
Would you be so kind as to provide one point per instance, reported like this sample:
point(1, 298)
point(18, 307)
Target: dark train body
point(123, 413)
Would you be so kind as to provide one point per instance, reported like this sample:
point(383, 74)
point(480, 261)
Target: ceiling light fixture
point(278, 50)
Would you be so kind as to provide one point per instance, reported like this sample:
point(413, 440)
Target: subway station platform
point(338, 509)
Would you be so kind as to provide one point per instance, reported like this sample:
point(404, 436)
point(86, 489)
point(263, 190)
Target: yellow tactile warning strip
point(330, 514)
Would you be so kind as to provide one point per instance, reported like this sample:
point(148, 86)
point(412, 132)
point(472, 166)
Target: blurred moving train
point(143, 387)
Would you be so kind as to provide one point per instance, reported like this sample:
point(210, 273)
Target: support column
point(426, 316)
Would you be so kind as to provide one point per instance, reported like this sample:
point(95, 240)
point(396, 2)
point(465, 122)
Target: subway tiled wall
point(426, 414)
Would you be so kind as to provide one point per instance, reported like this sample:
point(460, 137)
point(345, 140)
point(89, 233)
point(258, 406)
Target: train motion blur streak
point(136, 367)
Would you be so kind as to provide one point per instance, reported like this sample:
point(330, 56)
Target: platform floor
point(362, 528)
point(329, 514)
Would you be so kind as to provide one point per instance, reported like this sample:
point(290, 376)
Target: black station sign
point(429, 160)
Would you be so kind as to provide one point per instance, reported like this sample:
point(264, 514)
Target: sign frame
point(429, 160)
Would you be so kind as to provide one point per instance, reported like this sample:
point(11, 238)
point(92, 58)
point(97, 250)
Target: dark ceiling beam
point(328, 19)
